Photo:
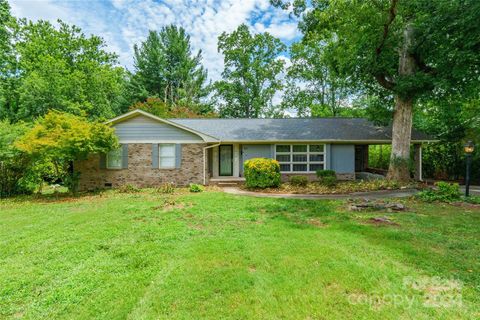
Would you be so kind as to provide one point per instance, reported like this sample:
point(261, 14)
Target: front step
point(227, 182)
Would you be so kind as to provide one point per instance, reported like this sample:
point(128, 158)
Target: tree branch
point(386, 27)
point(384, 82)
point(392, 13)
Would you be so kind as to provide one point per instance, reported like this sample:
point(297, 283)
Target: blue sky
point(122, 23)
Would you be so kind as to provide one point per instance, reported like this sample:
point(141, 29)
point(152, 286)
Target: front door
point(225, 153)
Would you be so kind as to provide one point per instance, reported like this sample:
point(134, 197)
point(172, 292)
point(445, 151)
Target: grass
point(211, 255)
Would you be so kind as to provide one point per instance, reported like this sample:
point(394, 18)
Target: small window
point(167, 155)
point(283, 157)
point(300, 148)
point(114, 159)
point(284, 167)
point(316, 148)
point(300, 167)
point(299, 158)
point(315, 167)
point(283, 148)
point(316, 157)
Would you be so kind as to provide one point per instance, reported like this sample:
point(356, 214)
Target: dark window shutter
point(155, 156)
point(178, 155)
point(124, 156)
point(103, 161)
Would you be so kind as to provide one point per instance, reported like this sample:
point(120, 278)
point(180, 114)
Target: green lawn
point(212, 255)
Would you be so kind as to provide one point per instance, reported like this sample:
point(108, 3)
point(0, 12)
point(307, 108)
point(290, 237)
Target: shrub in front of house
point(262, 173)
point(196, 187)
point(128, 188)
point(444, 192)
point(300, 181)
point(329, 181)
point(167, 187)
point(327, 177)
point(325, 173)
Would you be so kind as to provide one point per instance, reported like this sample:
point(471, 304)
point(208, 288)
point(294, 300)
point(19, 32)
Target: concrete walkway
point(363, 195)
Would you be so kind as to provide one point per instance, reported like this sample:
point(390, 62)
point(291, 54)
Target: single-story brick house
point(154, 150)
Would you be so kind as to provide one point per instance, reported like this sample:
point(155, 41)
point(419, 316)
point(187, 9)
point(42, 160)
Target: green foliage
point(327, 177)
point(252, 74)
point(16, 174)
point(453, 121)
point(325, 173)
point(61, 69)
point(262, 173)
point(301, 181)
point(61, 138)
point(314, 89)
point(167, 188)
point(128, 188)
point(159, 108)
point(472, 199)
point(329, 181)
point(196, 187)
point(379, 156)
point(444, 192)
point(166, 68)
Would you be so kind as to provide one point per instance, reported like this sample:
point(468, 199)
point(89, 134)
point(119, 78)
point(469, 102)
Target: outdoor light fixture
point(469, 147)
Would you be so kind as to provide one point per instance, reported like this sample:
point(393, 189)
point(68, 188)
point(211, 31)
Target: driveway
point(474, 190)
point(364, 195)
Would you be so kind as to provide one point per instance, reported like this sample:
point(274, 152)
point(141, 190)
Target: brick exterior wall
point(140, 172)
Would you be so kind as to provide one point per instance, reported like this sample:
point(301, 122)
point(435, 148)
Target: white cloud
point(122, 23)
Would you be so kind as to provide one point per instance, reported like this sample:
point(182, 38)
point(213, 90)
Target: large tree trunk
point(402, 117)
point(401, 136)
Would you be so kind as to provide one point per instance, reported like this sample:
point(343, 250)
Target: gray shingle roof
point(326, 129)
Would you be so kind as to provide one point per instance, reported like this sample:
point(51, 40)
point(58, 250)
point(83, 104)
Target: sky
point(123, 23)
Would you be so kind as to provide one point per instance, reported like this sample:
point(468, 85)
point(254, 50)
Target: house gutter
point(205, 161)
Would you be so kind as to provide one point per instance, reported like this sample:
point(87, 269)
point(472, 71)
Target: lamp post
point(469, 147)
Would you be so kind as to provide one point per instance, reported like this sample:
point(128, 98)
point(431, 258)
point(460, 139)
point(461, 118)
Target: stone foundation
point(140, 172)
point(313, 176)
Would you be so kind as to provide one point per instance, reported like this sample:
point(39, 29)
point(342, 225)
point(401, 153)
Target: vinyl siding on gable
point(144, 129)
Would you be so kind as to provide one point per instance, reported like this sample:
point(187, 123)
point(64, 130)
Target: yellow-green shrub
point(262, 173)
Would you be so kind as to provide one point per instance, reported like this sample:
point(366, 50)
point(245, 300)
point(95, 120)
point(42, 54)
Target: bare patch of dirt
point(316, 223)
point(379, 221)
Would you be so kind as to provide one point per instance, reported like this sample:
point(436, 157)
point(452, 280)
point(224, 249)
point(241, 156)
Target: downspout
point(205, 161)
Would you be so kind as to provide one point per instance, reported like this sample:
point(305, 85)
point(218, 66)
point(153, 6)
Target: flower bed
point(340, 188)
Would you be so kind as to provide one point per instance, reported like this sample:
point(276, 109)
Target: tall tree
point(7, 58)
point(165, 67)
point(252, 74)
point(60, 68)
point(314, 89)
point(7, 23)
point(412, 49)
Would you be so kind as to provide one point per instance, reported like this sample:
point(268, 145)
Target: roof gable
point(149, 120)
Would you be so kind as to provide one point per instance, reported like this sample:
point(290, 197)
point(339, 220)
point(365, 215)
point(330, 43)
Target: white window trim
point(165, 157)
point(308, 153)
point(120, 149)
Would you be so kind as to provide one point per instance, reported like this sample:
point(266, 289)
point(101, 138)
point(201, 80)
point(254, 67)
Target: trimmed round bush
point(325, 173)
point(329, 181)
point(261, 173)
point(327, 177)
point(300, 181)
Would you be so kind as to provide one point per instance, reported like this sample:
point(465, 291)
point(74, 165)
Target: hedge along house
point(182, 151)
